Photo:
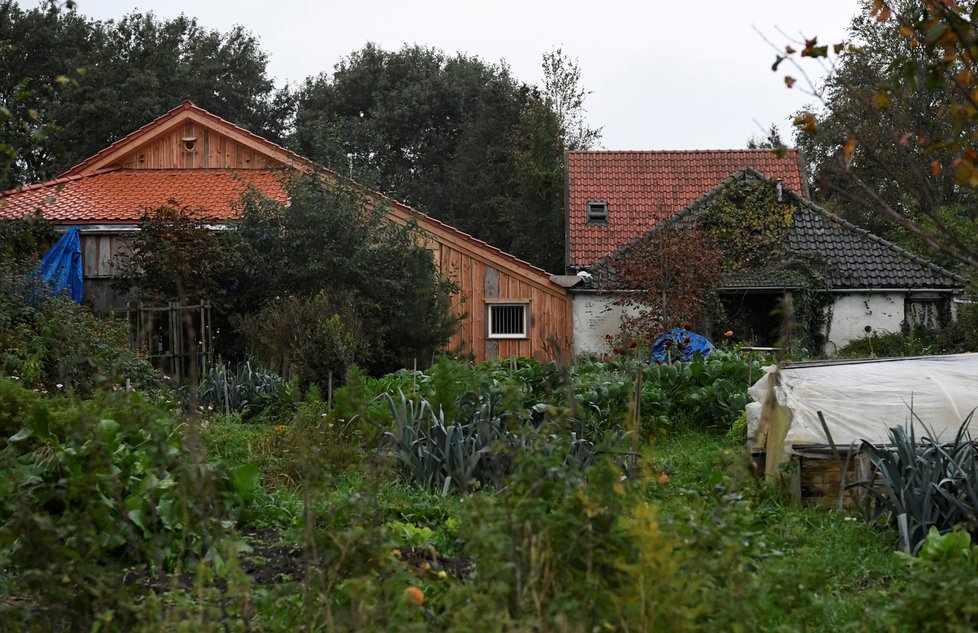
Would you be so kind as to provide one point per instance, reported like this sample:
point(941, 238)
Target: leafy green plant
point(92, 487)
point(54, 344)
point(937, 593)
point(920, 484)
point(462, 455)
point(247, 389)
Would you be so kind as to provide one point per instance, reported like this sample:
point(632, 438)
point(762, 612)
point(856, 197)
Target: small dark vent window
point(507, 320)
point(597, 212)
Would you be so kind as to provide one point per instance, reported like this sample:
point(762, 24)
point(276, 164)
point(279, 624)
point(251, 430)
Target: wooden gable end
point(188, 137)
point(195, 145)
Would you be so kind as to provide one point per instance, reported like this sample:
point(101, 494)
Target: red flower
point(668, 343)
point(687, 325)
point(616, 350)
point(686, 340)
point(658, 362)
point(634, 344)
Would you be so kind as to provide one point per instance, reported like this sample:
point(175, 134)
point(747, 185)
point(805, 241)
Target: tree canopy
point(372, 273)
point(80, 84)
point(453, 136)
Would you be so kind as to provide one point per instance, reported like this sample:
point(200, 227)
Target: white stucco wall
point(595, 316)
point(851, 313)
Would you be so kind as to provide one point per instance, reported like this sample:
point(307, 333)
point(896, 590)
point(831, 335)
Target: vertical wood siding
point(103, 254)
point(212, 150)
point(547, 310)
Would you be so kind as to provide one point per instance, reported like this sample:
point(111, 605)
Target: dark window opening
point(597, 212)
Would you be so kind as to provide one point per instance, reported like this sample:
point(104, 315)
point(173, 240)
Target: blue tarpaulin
point(61, 266)
point(681, 346)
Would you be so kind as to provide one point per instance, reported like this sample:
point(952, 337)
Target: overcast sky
point(663, 75)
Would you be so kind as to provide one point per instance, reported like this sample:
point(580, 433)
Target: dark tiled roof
point(849, 256)
point(858, 259)
point(642, 188)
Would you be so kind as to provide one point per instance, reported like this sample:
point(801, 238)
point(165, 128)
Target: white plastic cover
point(862, 400)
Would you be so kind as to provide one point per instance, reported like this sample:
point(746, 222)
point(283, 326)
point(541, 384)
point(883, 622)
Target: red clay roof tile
point(642, 188)
point(119, 196)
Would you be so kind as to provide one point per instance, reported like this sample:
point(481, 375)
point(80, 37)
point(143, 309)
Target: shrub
point(55, 344)
point(330, 238)
point(887, 345)
point(547, 547)
point(938, 594)
point(308, 338)
point(93, 487)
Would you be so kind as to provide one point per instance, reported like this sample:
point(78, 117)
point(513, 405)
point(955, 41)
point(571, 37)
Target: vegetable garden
point(506, 496)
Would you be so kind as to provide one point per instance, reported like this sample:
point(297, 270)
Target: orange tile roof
point(120, 196)
point(642, 188)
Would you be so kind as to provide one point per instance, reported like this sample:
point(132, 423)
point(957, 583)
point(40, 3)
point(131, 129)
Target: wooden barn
point(201, 161)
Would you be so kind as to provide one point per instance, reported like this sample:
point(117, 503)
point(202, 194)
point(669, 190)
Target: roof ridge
point(186, 106)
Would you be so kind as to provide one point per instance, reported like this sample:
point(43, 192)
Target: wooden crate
point(816, 477)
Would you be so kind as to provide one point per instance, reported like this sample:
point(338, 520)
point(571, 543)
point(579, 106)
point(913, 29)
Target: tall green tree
point(565, 94)
point(37, 53)
point(453, 136)
point(864, 100)
point(332, 240)
point(116, 76)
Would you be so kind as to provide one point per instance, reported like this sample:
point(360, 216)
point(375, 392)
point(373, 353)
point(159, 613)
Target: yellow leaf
point(806, 123)
point(838, 48)
point(848, 149)
point(789, 81)
point(881, 100)
point(935, 168)
point(789, 50)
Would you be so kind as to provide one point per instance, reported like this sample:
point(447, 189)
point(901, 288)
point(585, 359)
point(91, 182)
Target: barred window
point(507, 320)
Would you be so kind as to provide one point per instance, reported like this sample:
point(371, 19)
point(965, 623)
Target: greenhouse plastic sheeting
point(862, 400)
